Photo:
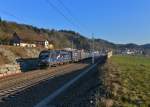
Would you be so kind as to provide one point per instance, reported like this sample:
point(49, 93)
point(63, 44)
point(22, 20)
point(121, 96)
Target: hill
point(60, 38)
point(146, 46)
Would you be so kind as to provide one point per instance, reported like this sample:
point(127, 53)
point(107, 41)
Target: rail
point(48, 99)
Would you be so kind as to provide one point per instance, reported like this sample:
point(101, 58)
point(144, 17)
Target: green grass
point(132, 74)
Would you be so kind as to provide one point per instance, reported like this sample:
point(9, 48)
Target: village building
point(15, 40)
point(40, 41)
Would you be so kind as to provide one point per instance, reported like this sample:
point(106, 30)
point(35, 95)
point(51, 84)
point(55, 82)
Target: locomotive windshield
point(44, 54)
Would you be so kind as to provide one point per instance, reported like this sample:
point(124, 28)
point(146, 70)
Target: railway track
point(10, 87)
point(7, 82)
point(51, 100)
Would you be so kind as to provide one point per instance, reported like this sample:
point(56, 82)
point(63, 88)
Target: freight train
point(55, 57)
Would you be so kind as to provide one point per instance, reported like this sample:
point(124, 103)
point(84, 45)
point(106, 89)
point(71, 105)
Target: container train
point(55, 57)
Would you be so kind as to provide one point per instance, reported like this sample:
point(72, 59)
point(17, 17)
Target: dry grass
point(16, 52)
point(3, 59)
point(127, 80)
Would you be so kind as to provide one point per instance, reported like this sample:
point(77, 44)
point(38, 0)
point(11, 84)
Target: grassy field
point(128, 80)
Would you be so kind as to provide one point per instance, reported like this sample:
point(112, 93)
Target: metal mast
point(92, 48)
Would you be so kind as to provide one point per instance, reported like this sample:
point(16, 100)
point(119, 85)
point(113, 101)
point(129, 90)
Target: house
point(27, 45)
point(15, 40)
point(109, 54)
point(130, 52)
point(42, 42)
point(23, 41)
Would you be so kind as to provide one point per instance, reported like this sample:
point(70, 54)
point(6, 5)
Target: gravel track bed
point(11, 81)
point(82, 93)
point(35, 93)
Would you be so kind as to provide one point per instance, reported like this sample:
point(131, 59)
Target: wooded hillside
point(60, 39)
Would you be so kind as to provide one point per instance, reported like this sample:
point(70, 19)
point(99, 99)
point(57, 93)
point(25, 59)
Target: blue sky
point(119, 21)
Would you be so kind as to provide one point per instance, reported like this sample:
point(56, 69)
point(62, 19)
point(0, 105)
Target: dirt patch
point(9, 54)
point(3, 59)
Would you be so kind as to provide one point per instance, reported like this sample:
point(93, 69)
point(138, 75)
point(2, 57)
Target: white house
point(27, 45)
point(38, 41)
point(46, 44)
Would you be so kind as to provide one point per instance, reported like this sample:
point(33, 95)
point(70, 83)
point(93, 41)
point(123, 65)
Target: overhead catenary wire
point(62, 14)
point(72, 15)
point(11, 15)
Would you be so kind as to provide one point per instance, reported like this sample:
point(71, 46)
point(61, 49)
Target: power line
point(61, 13)
point(10, 14)
point(66, 8)
point(69, 12)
